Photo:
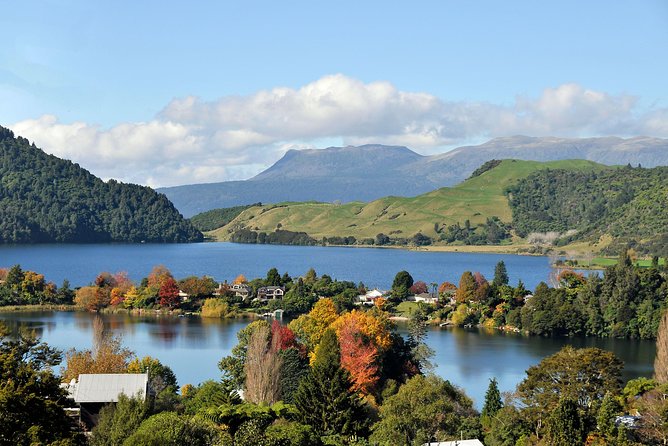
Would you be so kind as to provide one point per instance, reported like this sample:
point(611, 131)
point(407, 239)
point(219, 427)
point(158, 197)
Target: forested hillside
point(628, 204)
point(46, 199)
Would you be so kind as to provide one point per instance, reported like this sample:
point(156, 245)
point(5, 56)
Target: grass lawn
point(406, 309)
point(608, 261)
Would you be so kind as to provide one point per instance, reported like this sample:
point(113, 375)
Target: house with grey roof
point(93, 391)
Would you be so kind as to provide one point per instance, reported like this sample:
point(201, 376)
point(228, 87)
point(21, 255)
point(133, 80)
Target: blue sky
point(188, 92)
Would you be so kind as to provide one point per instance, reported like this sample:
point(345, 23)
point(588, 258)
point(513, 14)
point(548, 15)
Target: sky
point(166, 93)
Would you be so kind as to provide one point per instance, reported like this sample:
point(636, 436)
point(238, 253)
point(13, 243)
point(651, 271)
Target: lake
point(192, 346)
point(376, 267)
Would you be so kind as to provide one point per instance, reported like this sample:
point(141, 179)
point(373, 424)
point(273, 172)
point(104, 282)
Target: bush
point(215, 308)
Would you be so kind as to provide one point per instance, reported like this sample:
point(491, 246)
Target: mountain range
point(369, 172)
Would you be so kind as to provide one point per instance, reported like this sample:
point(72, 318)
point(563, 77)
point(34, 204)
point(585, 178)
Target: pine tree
point(492, 400)
point(500, 274)
point(324, 399)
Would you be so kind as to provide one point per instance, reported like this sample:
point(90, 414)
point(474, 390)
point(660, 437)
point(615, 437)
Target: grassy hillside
point(475, 200)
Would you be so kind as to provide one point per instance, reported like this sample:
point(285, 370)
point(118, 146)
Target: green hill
point(440, 215)
point(628, 205)
point(46, 199)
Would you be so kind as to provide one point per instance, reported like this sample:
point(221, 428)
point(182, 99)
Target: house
point(183, 296)
point(474, 442)
point(369, 298)
point(270, 292)
point(427, 298)
point(93, 391)
point(241, 290)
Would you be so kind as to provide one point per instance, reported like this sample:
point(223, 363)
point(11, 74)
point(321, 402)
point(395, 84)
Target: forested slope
point(46, 199)
point(628, 204)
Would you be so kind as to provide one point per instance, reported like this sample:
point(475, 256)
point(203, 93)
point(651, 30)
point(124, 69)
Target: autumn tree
point(233, 366)
point(107, 355)
point(240, 279)
point(169, 293)
point(661, 360)
point(157, 276)
point(262, 368)
point(310, 327)
point(358, 356)
point(466, 290)
point(418, 287)
point(91, 298)
point(198, 287)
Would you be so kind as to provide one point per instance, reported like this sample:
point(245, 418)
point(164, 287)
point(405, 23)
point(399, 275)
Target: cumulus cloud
point(234, 137)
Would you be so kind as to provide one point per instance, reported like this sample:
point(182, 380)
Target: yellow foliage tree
point(107, 355)
point(310, 327)
point(240, 279)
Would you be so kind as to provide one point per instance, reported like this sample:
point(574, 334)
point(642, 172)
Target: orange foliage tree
point(362, 335)
point(240, 279)
point(358, 356)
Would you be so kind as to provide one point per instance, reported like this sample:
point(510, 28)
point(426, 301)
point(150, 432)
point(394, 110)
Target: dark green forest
point(627, 203)
point(46, 199)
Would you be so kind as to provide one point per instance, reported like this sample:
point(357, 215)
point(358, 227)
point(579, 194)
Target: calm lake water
point(80, 264)
point(192, 347)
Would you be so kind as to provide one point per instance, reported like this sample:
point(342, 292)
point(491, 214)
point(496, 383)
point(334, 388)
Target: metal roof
point(106, 387)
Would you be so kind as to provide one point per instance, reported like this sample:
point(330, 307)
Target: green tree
point(402, 279)
point(118, 421)
point(493, 401)
point(582, 376)
point(170, 429)
point(500, 274)
point(324, 399)
point(565, 426)
point(273, 278)
point(417, 332)
point(605, 419)
point(31, 400)
point(426, 408)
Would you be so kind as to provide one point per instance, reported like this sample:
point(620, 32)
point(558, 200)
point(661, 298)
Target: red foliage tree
point(282, 338)
point(169, 293)
point(419, 287)
point(358, 357)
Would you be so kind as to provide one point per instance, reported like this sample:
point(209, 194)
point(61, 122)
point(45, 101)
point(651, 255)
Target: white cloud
point(234, 137)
